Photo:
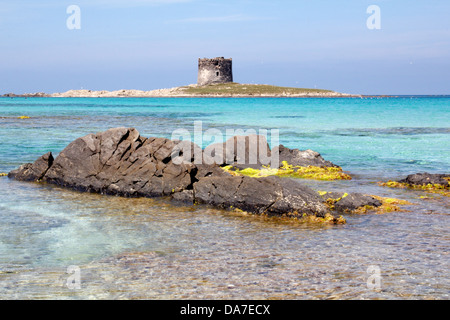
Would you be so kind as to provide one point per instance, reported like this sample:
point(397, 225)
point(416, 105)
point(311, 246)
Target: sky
point(153, 44)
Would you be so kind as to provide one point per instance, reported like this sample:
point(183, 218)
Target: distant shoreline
point(229, 90)
point(232, 90)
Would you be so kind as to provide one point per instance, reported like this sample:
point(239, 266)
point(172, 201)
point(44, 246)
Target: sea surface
point(62, 244)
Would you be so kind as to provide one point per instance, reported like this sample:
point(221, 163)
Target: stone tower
point(217, 70)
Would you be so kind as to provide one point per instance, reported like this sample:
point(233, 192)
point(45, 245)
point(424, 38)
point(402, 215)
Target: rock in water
point(296, 157)
point(253, 151)
point(421, 179)
point(269, 195)
point(349, 202)
point(33, 171)
point(121, 162)
point(242, 152)
point(354, 201)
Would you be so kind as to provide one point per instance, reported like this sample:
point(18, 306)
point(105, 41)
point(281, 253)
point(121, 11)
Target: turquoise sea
point(154, 249)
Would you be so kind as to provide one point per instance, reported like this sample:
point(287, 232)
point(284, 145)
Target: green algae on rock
point(291, 171)
point(433, 183)
point(358, 203)
point(387, 205)
point(296, 217)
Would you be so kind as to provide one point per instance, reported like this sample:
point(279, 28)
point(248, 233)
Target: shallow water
point(151, 248)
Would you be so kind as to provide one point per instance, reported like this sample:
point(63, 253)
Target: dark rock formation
point(27, 95)
point(300, 158)
point(33, 171)
point(420, 179)
point(332, 195)
point(185, 196)
point(346, 203)
point(253, 151)
point(354, 201)
point(270, 195)
point(121, 162)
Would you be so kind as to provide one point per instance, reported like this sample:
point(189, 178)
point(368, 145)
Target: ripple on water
point(147, 248)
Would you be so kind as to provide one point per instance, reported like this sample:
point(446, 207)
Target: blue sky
point(151, 44)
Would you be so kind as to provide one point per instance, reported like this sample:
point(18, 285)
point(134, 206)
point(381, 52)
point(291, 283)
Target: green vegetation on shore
point(231, 89)
point(234, 88)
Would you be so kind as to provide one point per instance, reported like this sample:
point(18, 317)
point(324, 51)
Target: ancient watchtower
point(217, 70)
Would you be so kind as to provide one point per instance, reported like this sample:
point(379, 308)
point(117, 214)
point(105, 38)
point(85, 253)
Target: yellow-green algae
point(287, 170)
point(432, 188)
point(387, 205)
point(331, 201)
point(295, 217)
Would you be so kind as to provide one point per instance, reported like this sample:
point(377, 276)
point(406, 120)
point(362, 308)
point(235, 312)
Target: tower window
point(217, 73)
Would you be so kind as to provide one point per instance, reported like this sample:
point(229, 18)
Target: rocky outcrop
point(27, 95)
point(423, 179)
point(121, 162)
point(424, 182)
point(349, 202)
point(33, 171)
point(253, 151)
point(296, 157)
point(354, 201)
point(269, 195)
